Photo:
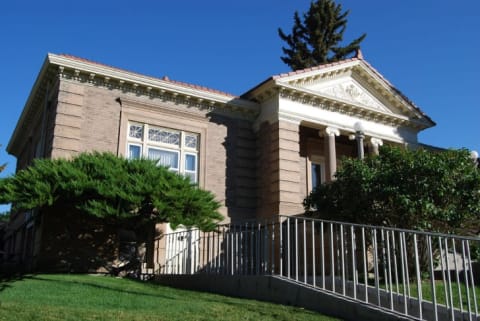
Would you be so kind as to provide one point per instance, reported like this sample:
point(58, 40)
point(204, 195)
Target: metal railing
point(428, 276)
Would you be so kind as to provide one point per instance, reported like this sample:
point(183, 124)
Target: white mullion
point(182, 157)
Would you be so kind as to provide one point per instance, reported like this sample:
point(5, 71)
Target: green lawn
point(84, 297)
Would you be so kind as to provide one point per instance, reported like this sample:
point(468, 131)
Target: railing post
point(314, 272)
point(419, 280)
point(281, 252)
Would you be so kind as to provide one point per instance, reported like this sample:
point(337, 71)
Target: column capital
point(376, 141)
point(332, 131)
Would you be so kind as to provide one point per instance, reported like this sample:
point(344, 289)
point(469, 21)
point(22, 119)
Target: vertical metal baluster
point(265, 247)
point(305, 251)
point(405, 255)
point(181, 250)
point(239, 248)
point(288, 247)
point(449, 282)
point(467, 287)
point(208, 252)
point(395, 265)
point(332, 257)
point(375, 265)
point(404, 265)
point(296, 249)
point(238, 256)
point(176, 254)
point(354, 263)
point(322, 247)
point(171, 257)
point(314, 272)
point(389, 261)
point(253, 249)
point(472, 280)
point(259, 247)
point(167, 254)
point(167, 248)
point(419, 281)
point(442, 267)
point(234, 249)
point(365, 259)
point(219, 262)
point(214, 262)
point(187, 251)
point(272, 233)
point(432, 278)
point(342, 256)
point(242, 250)
point(280, 226)
point(172, 254)
point(460, 301)
point(384, 261)
point(225, 248)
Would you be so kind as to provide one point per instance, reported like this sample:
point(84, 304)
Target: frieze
point(351, 109)
point(351, 92)
point(141, 90)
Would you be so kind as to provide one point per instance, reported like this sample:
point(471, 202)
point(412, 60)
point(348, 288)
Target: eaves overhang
point(88, 72)
point(293, 85)
point(336, 104)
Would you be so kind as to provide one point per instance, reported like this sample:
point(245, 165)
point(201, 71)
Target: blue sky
point(428, 49)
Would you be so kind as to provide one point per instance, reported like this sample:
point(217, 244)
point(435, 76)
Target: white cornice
point(146, 83)
point(322, 101)
point(408, 114)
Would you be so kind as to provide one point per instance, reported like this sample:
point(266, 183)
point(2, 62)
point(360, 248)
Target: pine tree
point(317, 38)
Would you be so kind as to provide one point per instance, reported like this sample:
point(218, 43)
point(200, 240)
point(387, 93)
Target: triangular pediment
point(352, 83)
point(348, 90)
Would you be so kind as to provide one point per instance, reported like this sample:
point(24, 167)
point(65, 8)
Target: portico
point(319, 115)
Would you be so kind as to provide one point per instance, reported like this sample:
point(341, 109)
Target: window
point(317, 177)
point(175, 149)
point(316, 172)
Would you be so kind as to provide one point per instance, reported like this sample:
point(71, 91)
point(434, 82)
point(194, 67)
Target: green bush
point(106, 186)
point(419, 189)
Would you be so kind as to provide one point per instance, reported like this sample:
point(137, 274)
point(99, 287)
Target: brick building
point(260, 153)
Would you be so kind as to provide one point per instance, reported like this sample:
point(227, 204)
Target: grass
point(86, 297)
point(459, 293)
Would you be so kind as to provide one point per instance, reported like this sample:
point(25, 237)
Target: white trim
point(105, 71)
point(292, 110)
point(315, 159)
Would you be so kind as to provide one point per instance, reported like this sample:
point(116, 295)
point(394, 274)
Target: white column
point(331, 152)
point(375, 143)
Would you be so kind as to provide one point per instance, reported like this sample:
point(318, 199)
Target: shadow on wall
point(76, 242)
point(240, 165)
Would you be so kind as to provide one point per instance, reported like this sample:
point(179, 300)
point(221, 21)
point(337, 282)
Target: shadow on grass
point(106, 287)
point(7, 279)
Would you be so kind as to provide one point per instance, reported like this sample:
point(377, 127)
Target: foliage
point(419, 189)
point(73, 297)
point(106, 186)
point(5, 216)
point(316, 38)
point(2, 167)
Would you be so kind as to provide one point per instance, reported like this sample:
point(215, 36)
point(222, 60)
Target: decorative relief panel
point(351, 92)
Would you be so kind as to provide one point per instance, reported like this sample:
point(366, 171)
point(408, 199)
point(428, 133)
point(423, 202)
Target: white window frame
point(134, 144)
point(314, 159)
point(181, 149)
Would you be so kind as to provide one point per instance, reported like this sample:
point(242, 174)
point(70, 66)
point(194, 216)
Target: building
point(260, 153)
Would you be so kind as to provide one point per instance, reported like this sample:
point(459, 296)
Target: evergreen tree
point(115, 189)
point(317, 38)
